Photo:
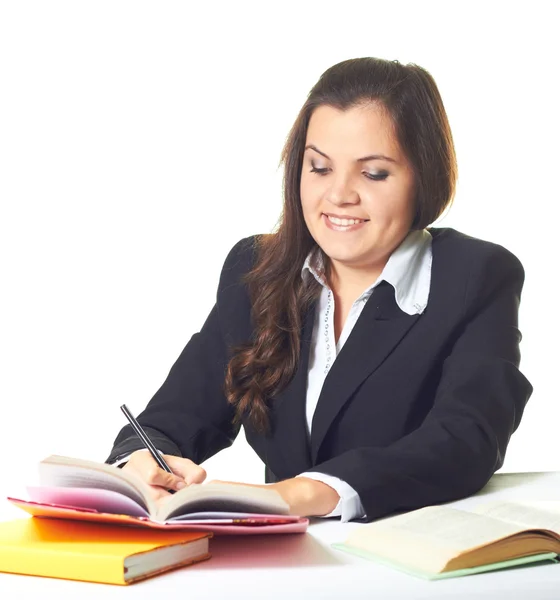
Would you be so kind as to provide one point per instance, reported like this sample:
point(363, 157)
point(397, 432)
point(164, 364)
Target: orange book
point(95, 552)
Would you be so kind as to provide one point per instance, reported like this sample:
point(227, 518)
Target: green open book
point(438, 542)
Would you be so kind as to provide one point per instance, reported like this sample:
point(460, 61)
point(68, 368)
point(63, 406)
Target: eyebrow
point(363, 159)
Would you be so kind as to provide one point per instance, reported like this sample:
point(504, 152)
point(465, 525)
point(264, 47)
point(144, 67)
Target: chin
point(345, 258)
point(342, 251)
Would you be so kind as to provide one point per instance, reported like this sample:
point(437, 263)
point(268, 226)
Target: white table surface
point(305, 566)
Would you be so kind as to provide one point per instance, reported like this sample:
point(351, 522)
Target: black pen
point(146, 440)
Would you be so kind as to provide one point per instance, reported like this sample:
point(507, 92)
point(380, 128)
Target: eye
point(381, 176)
point(314, 169)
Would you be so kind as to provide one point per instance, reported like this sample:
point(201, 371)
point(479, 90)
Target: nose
point(342, 192)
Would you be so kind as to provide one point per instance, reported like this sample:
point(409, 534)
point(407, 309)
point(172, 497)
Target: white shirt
point(408, 270)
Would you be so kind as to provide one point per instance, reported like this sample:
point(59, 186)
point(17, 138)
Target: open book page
point(65, 472)
point(103, 501)
point(75, 482)
point(222, 497)
point(428, 538)
point(533, 515)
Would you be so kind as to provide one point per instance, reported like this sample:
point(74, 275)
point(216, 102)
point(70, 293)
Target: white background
point(140, 140)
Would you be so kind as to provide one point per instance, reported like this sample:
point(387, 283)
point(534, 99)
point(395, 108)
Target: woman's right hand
point(185, 472)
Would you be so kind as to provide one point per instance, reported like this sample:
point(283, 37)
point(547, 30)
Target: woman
point(372, 362)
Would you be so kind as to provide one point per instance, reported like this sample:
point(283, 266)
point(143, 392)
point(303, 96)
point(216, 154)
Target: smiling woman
point(372, 359)
point(371, 199)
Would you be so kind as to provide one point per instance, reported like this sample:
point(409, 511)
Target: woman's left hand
point(305, 497)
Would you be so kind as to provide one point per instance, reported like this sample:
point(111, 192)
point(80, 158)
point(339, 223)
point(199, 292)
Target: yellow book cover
point(95, 552)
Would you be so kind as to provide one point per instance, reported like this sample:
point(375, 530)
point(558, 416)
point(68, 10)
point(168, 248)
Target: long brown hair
point(261, 368)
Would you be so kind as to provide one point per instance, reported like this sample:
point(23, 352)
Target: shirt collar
point(408, 270)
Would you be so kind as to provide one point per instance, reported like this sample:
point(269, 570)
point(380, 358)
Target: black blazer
point(415, 410)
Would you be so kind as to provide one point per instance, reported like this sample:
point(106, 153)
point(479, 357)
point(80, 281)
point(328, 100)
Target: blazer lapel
point(289, 441)
point(380, 327)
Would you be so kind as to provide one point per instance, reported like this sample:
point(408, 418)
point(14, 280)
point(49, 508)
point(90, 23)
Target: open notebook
point(89, 491)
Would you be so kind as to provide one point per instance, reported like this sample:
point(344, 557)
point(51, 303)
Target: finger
point(197, 475)
point(156, 476)
point(189, 471)
point(155, 492)
point(143, 464)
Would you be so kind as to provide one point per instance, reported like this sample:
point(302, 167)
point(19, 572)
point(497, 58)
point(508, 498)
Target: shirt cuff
point(122, 460)
point(349, 506)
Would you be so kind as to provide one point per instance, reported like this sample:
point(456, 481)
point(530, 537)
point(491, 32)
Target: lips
point(345, 221)
point(336, 223)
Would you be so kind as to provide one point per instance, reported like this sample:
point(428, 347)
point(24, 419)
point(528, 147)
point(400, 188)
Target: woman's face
point(357, 188)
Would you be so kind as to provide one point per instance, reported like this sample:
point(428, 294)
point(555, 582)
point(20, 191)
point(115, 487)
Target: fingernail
point(181, 485)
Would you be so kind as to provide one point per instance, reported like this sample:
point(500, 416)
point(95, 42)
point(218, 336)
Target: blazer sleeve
point(477, 406)
point(189, 415)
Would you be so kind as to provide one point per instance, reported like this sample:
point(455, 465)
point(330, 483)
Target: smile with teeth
point(345, 222)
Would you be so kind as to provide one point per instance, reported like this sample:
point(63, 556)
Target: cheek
point(391, 203)
point(309, 196)
point(305, 207)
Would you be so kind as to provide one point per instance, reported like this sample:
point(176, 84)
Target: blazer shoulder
point(468, 252)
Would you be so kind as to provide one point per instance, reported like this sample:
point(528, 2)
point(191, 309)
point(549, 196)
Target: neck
point(353, 281)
